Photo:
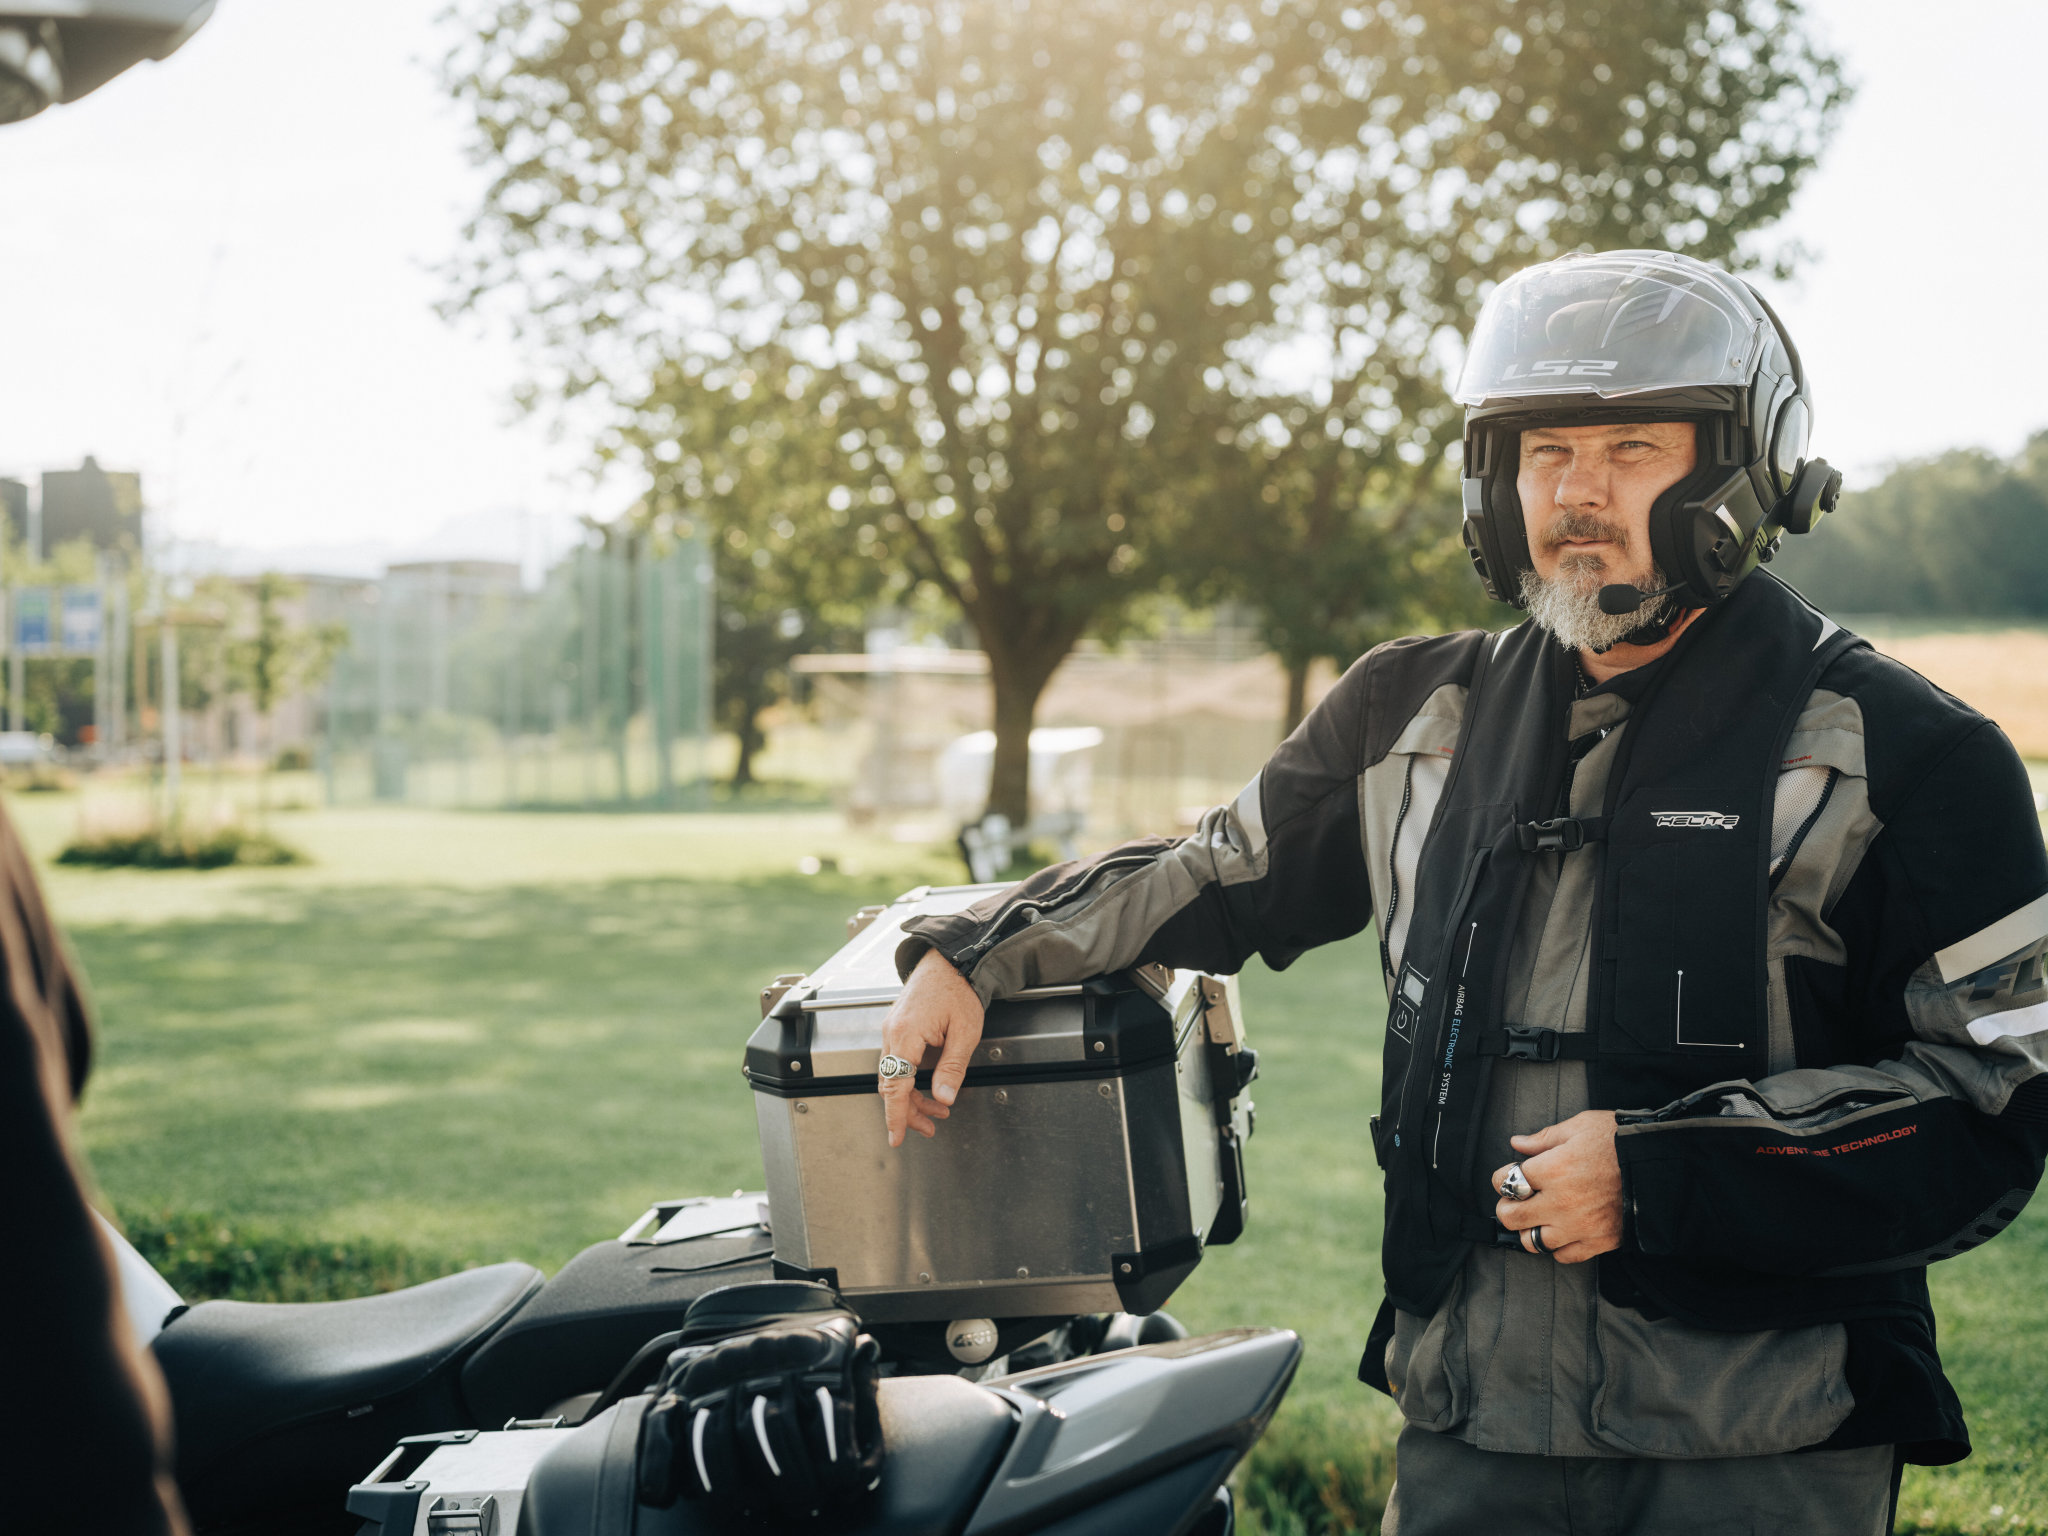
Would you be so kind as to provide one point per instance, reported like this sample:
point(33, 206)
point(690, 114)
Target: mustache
point(1569, 526)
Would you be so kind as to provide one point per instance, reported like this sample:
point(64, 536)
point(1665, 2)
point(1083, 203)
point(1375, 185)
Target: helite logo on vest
point(1561, 367)
point(1667, 819)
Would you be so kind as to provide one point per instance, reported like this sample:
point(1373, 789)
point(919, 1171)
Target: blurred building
point(103, 507)
point(14, 507)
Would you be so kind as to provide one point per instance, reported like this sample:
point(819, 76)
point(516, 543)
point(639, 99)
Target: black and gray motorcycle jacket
point(1816, 929)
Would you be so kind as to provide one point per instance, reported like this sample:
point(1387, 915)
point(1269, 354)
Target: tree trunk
point(751, 739)
point(1018, 674)
point(1016, 703)
point(1297, 695)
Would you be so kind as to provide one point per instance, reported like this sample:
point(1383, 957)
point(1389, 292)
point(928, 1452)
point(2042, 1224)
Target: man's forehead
point(1609, 432)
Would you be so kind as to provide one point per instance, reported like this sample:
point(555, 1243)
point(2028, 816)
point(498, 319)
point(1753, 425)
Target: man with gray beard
point(1713, 945)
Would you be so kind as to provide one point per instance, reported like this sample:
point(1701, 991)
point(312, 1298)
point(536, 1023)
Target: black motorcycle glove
point(783, 1420)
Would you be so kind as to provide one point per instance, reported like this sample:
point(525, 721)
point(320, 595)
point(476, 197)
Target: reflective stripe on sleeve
point(1252, 817)
point(2010, 1025)
point(2010, 934)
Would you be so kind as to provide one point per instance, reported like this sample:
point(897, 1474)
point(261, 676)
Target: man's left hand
point(1577, 1179)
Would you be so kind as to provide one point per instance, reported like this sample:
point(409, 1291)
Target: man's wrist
point(910, 953)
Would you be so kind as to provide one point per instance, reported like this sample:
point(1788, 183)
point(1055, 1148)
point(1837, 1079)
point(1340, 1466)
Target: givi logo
point(1695, 819)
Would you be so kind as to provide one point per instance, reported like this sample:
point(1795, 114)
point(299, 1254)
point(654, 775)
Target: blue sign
point(81, 626)
point(32, 619)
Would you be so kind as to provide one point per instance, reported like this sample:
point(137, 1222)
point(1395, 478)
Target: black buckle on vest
point(1563, 835)
point(1530, 1042)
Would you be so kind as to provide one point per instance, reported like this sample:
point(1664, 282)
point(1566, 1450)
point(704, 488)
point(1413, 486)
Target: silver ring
point(1536, 1237)
point(1515, 1185)
point(893, 1065)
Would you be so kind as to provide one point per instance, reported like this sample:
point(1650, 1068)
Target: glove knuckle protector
point(783, 1420)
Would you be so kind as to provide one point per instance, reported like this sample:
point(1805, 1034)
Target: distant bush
point(208, 1258)
point(1316, 1473)
point(294, 760)
point(180, 848)
point(38, 778)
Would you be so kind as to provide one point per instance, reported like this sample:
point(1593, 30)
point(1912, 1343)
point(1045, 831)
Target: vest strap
point(1532, 1042)
point(1487, 1232)
point(1562, 834)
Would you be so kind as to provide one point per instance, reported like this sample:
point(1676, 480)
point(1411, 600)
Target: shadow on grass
point(480, 1073)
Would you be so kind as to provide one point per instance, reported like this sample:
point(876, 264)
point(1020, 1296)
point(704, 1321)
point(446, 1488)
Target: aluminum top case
point(1095, 1150)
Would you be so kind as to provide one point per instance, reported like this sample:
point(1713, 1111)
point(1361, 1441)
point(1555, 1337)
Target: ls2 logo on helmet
point(1559, 367)
point(1667, 819)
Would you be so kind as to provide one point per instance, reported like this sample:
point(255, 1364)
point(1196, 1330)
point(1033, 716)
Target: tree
point(1334, 552)
point(1964, 532)
point(1029, 247)
point(756, 463)
point(275, 657)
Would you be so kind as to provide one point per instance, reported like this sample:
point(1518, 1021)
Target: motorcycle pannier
point(1096, 1149)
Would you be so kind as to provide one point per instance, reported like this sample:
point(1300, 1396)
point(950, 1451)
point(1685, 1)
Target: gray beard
point(1568, 607)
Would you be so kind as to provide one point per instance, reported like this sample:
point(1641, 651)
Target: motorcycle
point(497, 1401)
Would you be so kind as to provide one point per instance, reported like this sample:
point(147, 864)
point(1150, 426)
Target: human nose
point(1583, 485)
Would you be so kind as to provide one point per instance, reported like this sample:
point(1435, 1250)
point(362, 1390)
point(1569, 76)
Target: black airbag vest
point(1679, 987)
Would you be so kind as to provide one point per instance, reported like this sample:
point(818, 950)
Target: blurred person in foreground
point(1713, 945)
point(84, 1419)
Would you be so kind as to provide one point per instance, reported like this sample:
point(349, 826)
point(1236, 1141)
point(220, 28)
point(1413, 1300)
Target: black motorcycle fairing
point(943, 1437)
point(595, 1312)
point(284, 1405)
point(1182, 1502)
point(1128, 1418)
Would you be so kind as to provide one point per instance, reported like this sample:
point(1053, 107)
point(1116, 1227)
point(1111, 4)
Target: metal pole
point(587, 673)
point(117, 662)
point(704, 717)
point(618, 660)
point(100, 666)
point(17, 666)
point(655, 667)
point(13, 662)
point(174, 744)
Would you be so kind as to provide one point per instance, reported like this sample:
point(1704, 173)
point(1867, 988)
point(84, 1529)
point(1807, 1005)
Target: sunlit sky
point(222, 271)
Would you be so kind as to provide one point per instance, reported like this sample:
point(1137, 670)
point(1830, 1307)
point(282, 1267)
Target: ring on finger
point(1515, 1185)
point(893, 1066)
point(1536, 1237)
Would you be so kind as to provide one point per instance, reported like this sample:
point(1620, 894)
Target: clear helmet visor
point(1618, 324)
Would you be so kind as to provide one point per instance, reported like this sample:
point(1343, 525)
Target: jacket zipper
point(1394, 868)
point(1827, 791)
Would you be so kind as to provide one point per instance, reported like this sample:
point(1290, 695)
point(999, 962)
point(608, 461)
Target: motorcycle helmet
point(1625, 336)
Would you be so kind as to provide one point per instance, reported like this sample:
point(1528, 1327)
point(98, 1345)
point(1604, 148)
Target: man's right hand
point(938, 1011)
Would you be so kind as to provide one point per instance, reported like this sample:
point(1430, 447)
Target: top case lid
point(826, 1031)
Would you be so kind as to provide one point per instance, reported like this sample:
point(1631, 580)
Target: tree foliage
point(274, 656)
point(1030, 256)
point(759, 464)
point(1965, 533)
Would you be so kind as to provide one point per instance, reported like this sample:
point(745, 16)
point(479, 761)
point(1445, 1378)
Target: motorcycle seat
point(322, 1387)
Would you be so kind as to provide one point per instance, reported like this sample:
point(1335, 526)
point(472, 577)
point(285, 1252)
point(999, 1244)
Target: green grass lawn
point(457, 1038)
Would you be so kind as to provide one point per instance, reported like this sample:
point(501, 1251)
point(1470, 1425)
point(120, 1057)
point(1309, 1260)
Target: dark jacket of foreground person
point(84, 1420)
point(1774, 899)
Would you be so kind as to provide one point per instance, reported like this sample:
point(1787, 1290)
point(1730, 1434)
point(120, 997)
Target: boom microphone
point(1620, 597)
